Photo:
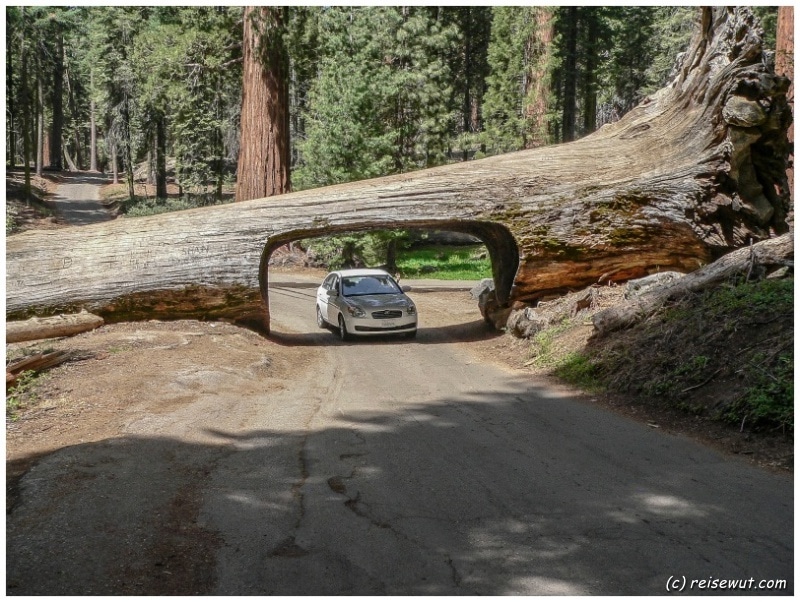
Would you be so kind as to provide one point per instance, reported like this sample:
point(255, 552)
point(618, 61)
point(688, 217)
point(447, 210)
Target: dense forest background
point(369, 91)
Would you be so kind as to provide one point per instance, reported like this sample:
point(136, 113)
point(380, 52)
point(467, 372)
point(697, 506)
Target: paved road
point(77, 199)
point(425, 471)
point(404, 468)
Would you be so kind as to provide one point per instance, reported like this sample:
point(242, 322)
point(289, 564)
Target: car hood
point(379, 301)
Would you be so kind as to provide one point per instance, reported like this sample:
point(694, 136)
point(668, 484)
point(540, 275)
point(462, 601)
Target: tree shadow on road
point(512, 492)
point(469, 332)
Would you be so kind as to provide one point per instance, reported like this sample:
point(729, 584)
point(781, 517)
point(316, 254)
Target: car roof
point(361, 272)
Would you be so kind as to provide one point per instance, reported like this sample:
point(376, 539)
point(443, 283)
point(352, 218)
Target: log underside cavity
point(692, 173)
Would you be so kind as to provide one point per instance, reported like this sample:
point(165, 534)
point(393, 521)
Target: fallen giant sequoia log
point(690, 174)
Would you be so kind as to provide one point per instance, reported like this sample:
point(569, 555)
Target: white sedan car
point(365, 302)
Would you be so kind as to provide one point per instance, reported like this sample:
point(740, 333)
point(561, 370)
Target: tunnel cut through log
point(500, 244)
point(696, 170)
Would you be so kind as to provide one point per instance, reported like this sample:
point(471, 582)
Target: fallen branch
point(36, 363)
point(47, 328)
point(702, 384)
point(39, 361)
point(767, 254)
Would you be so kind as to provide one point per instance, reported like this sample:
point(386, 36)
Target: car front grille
point(387, 314)
point(379, 329)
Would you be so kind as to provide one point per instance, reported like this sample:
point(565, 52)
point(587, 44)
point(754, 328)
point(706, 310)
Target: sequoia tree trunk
point(264, 159)
point(695, 171)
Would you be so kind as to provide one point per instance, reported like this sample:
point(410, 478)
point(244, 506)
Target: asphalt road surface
point(397, 467)
point(77, 198)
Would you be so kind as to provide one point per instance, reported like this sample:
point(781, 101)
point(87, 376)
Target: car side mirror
point(405, 288)
point(332, 293)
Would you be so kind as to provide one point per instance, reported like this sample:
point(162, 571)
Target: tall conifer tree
point(264, 159)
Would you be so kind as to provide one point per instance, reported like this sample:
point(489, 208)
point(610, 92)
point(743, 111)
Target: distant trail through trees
point(77, 199)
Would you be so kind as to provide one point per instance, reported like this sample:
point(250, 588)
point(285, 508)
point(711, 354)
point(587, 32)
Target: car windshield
point(353, 286)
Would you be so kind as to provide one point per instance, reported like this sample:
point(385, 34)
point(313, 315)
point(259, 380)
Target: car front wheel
point(343, 334)
point(320, 320)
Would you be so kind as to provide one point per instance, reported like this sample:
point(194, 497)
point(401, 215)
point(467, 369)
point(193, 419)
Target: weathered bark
point(758, 259)
point(784, 65)
point(264, 160)
point(692, 173)
point(47, 328)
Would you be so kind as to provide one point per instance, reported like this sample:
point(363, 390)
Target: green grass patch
point(20, 393)
point(576, 368)
point(770, 397)
point(543, 352)
point(441, 262)
point(152, 206)
point(142, 206)
point(725, 353)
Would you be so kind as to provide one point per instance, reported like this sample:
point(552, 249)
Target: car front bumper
point(371, 326)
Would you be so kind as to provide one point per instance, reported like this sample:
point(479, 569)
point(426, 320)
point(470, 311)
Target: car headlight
point(356, 312)
point(411, 310)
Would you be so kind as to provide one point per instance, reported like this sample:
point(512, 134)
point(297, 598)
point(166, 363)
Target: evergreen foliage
point(514, 55)
point(380, 100)
point(373, 90)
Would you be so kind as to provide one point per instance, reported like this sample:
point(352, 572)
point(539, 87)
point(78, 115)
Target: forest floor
point(36, 424)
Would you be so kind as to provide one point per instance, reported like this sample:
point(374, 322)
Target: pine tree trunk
point(56, 131)
point(25, 96)
point(127, 147)
point(161, 157)
point(263, 168)
point(570, 75)
point(590, 72)
point(391, 256)
point(466, 104)
point(40, 150)
point(114, 162)
point(784, 65)
point(12, 133)
point(92, 126)
point(76, 136)
point(692, 173)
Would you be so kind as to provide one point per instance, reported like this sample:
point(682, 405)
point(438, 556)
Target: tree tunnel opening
point(500, 244)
